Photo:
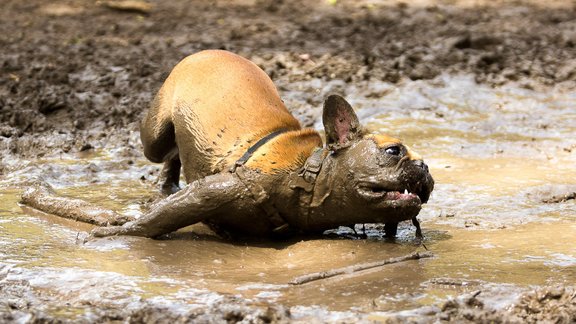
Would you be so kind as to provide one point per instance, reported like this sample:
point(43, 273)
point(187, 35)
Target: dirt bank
point(74, 73)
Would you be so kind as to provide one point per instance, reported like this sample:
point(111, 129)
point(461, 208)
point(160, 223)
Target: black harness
point(244, 158)
point(304, 179)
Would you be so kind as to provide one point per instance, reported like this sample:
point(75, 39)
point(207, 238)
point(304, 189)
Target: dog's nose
point(421, 164)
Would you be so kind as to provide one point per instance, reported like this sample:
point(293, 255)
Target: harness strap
point(244, 158)
point(306, 179)
point(258, 193)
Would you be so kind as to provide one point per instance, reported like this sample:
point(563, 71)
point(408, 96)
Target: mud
point(74, 70)
point(483, 89)
point(21, 303)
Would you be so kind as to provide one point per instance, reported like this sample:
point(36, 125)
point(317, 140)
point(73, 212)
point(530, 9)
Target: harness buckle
point(311, 169)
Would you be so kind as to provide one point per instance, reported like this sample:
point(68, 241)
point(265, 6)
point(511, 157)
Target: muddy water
point(495, 155)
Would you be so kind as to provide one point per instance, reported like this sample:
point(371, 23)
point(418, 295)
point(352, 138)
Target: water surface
point(494, 153)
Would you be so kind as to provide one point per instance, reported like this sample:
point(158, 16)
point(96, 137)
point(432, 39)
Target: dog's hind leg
point(170, 176)
point(159, 141)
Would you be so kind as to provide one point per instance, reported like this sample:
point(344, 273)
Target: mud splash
point(487, 223)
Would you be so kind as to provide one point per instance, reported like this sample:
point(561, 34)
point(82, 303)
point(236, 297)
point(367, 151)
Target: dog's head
point(367, 178)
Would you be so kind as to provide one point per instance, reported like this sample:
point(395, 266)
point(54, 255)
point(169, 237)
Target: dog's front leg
point(196, 202)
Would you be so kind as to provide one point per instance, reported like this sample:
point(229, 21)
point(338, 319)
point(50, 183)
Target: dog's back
point(212, 107)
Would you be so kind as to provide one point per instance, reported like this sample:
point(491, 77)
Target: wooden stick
point(41, 196)
point(357, 267)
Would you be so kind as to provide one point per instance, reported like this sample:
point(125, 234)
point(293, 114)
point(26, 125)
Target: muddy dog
point(250, 167)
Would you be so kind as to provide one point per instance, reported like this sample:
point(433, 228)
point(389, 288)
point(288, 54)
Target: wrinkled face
point(388, 173)
point(380, 174)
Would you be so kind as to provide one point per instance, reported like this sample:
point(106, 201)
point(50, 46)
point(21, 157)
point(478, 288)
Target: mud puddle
point(487, 223)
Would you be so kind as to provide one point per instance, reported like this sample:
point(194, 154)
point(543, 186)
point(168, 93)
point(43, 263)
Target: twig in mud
point(357, 267)
point(41, 196)
point(136, 6)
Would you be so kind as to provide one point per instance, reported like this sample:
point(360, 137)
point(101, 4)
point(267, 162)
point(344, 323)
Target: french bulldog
point(251, 169)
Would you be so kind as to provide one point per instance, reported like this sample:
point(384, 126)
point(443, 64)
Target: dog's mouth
point(378, 192)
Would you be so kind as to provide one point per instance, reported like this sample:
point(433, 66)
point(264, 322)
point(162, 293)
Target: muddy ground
point(77, 76)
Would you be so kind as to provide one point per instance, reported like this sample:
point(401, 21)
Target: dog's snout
point(421, 164)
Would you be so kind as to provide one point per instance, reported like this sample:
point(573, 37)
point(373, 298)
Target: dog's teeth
point(405, 191)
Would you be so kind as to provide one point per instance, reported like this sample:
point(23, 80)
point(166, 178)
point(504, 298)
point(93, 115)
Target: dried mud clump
point(543, 305)
point(22, 304)
point(547, 305)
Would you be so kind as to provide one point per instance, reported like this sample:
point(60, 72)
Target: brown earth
point(77, 75)
point(20, 303)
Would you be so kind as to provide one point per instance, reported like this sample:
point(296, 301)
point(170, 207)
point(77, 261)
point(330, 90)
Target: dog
point(251, 169)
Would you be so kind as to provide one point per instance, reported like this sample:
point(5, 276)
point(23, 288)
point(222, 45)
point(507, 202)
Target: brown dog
point(251, 169)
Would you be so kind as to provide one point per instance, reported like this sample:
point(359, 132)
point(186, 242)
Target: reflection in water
point(485, 222)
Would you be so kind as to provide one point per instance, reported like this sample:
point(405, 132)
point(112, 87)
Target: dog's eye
point(393, 150)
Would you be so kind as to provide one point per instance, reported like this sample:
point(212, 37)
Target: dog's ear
point(340, 122)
